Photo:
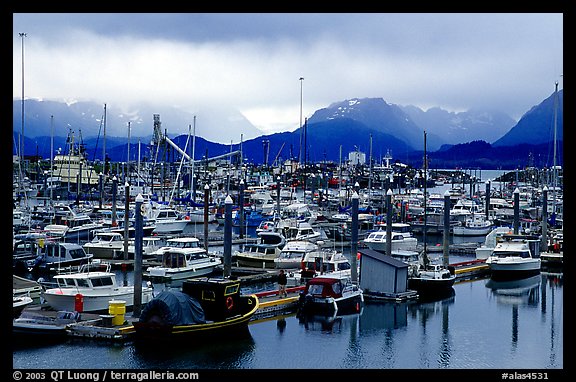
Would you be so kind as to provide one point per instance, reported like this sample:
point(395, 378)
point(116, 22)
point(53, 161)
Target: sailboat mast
point(192, 188)
point(104, 143)
point(425, 191)
point(51, 158)
point(555, 174)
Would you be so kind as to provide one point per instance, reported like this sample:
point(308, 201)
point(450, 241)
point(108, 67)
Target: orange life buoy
point(229, 303)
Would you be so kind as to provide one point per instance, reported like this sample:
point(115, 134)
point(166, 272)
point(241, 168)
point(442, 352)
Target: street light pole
point(22, 35)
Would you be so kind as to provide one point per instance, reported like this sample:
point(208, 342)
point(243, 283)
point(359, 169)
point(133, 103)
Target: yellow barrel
point(117, 308)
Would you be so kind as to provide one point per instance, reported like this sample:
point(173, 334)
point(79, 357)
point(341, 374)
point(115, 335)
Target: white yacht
point(183, 263)
point(515, 256)
point(105, 244)
point(292, 254)
point(91, 291)
point(402, 239)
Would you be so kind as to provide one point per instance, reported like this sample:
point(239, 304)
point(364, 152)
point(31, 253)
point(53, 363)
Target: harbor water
point(482, 325)
point(512, 326)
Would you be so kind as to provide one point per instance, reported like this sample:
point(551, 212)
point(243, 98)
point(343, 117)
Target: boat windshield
point(77, 253)
point(102, 281)
point(523, 254)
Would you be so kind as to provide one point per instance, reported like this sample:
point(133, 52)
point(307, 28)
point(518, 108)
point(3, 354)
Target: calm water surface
point(516, 325)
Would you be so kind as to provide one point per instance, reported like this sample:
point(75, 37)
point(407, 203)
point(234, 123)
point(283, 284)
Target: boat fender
point(229, 303)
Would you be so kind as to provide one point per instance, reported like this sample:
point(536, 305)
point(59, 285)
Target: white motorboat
point(91, 291)
point(292, 254)
point(167, 220)
point(183, 263)
point(174, 242)
point(402, 239)
point(515, 256)
point(104, 244)
point(301, 231)
point(476, 225)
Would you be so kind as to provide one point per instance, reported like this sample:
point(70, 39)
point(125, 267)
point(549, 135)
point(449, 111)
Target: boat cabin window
point(53, 250)
point(343, 266)
point(315, 289)
point(196, 256)
point(24, 247)
point(173, 260)
point(66, 282)
point(208, 295)
point(231, 289)
point(77, 253)
point(102, 281)
point(523, 254)
point(337, 288)
point(83, 283)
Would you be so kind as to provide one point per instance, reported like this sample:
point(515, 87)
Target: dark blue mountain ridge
point(482, 155)
point(537, 125)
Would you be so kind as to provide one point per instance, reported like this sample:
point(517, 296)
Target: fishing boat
point(205, 307)
point(74, 166)
point(91, 290)
point(431, 279)
point(57, 256)
point(263, 253)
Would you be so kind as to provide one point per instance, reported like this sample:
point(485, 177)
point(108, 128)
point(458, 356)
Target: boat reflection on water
point(326, 322)
point(516, 292)
point(232, 351)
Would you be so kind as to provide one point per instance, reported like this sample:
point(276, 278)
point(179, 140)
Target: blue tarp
point(174, 308)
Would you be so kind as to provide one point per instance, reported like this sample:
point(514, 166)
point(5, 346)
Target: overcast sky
point(254, 62)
